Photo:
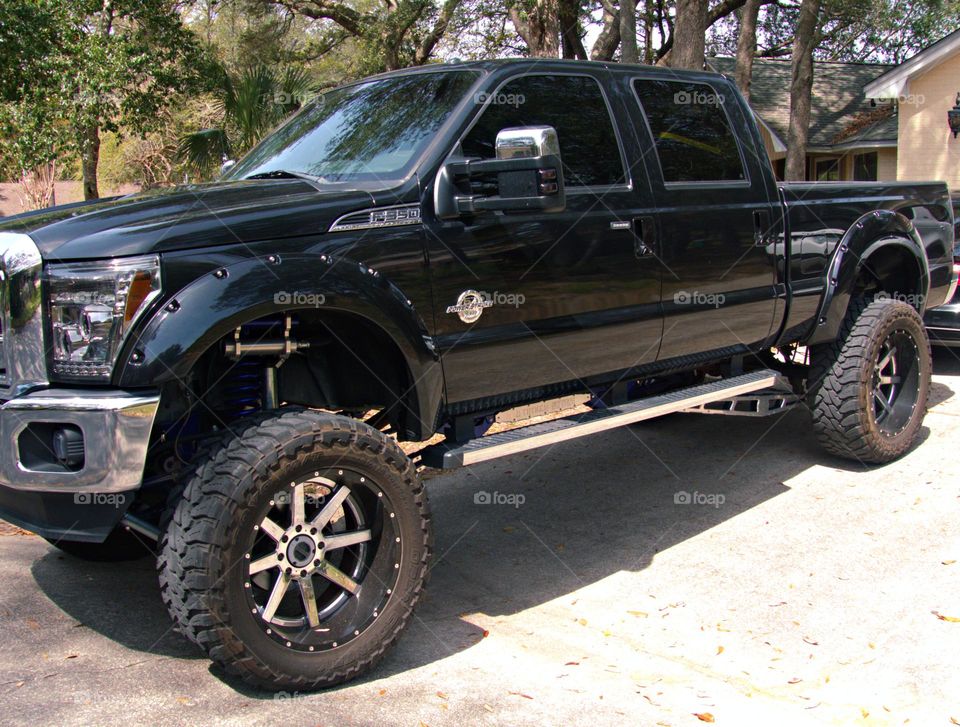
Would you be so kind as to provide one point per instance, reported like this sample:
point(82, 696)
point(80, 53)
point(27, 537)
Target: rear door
point(718, 215)
point(567, 296)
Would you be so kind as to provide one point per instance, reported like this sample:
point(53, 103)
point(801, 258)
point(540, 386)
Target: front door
point(565, 295)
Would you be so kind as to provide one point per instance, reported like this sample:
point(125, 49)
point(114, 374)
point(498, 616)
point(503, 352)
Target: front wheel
point(299, 551)
point(868, 389)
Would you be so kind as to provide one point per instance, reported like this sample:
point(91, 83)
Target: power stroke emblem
point(470, 305)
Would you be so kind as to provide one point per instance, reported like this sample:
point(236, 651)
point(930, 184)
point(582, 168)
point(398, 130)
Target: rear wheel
point(868, 390)
point(299, 551)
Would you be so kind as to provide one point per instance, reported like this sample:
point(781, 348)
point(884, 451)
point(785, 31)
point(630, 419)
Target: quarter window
point(691, 131)
point(574, 106)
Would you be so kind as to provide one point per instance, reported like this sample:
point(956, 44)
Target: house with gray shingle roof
point(851, 136)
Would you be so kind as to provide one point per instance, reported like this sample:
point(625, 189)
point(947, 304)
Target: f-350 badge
point(470, 305)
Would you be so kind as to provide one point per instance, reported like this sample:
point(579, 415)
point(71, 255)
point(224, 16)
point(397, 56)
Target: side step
point(451, 455)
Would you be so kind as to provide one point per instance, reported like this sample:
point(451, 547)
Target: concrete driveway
point(792, 588)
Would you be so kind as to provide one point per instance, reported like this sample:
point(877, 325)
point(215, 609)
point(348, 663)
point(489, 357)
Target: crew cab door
point(718, 214)
point(567, 297)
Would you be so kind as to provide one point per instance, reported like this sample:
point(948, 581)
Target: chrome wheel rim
point(323, 560)
point(895, 383)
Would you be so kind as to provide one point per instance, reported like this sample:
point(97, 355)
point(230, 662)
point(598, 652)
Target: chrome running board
point(451, 455)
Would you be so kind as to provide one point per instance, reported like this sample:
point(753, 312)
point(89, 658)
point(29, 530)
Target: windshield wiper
point(283, 174)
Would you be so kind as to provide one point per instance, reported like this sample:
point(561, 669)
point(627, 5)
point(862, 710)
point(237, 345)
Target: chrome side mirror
point(527, 142)
point(227, 166)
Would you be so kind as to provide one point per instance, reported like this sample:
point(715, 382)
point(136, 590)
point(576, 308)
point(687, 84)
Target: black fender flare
point(872, 232)
point(167, 346)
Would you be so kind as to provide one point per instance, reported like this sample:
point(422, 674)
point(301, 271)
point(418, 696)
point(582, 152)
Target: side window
point(691, 131)
point(574, 106)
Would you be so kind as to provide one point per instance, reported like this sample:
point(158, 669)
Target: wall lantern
point(953, 117)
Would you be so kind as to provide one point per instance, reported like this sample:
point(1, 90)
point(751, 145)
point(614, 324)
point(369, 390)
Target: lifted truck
point(227, 368)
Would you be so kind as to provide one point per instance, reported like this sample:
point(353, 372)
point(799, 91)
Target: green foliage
point(95, 66)
point(251, 103)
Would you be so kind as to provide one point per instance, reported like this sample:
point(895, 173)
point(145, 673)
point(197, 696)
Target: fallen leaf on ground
point(864, 712)
point(72, 656)
point(795, 680)
point(572, 663)
point(582, 621)
point(521, 694)
point(942, 617)
point(509, 529)
point(639, 614)
point(811, 641)
point(442, 695)
point(947, 562)
point(382, 692)
point(704, 716)
point(719, 650)
point(953, 720)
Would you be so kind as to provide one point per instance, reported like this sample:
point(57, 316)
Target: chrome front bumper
point(116, 428)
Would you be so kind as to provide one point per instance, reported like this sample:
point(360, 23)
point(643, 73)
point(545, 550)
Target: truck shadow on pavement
point(516, 533)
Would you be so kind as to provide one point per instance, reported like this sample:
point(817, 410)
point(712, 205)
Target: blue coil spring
point(243, 393)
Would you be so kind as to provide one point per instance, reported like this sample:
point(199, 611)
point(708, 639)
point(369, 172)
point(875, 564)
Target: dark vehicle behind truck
point(226, 368)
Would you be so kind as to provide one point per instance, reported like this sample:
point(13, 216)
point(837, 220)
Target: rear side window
point(574, 106)
point(691, 131)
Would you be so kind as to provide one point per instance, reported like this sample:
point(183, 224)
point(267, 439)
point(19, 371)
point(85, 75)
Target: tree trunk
point(628, 32)
point(568, 13)
point(689, 35)
point(606, 43)
point(539, 28)
point(648, 53)
point(90, 161)
point(747, 46)
point(801, 86)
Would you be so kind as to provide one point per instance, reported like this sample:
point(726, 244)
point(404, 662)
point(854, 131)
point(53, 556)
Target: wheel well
point(894, 270)
point(337, 361)
point(352, 364)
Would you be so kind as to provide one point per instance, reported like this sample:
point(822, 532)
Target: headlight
point(92, 307)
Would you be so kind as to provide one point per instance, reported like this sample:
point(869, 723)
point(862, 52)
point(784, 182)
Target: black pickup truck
point(227, 368)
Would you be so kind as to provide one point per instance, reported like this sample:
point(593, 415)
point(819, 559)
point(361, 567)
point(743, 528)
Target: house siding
point(927, 149)
point(887, 165)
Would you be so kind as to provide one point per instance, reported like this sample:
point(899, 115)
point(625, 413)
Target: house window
point(865, 167)
point(827, 170)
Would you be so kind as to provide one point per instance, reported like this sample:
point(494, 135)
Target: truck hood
point(186, 217)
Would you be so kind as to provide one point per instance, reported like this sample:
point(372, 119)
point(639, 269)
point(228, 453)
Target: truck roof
point(552, 64)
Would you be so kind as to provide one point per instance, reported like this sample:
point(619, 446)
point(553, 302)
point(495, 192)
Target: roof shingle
point(840, 112)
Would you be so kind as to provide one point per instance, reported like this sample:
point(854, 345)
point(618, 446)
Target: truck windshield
point(369, 131)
